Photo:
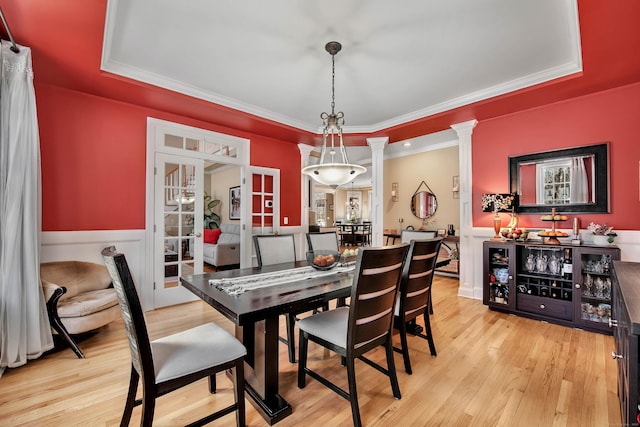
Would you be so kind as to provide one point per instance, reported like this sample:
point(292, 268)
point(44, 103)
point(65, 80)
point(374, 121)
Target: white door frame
point(156, 129)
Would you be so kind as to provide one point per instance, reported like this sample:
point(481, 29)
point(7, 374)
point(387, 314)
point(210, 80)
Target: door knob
point(198, 234)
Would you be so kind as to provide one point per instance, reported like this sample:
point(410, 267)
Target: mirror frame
point(601, 169)
point(413, 204)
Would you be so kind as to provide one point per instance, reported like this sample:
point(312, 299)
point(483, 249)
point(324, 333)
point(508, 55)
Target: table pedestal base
point(273, 410)
point(261, 368)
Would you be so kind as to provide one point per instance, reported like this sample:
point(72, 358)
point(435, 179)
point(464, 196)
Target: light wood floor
point(491, 370)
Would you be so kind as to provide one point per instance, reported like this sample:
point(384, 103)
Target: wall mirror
point(423, 202)
point(571, 180)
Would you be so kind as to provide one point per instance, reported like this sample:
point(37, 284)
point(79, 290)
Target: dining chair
point(364, 325)
point(408, 235)
point(363, 233)
point(169, 363)
point(348, 234)
point(415, 294)
point(278, 249)
point(274, 248)
point(324, 240)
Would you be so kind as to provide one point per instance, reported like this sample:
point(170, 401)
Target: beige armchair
point(80, 298)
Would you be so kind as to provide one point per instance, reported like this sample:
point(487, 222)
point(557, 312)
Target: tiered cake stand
point(552, 236)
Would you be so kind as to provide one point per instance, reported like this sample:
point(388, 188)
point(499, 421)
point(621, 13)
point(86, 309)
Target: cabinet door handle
point(542, 306)
point(613, 323)
point(577, 285)
point(614, 355)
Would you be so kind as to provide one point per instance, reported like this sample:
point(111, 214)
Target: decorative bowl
point(323, 259)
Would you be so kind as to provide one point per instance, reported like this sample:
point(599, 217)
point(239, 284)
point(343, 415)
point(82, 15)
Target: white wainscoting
point(87, 245)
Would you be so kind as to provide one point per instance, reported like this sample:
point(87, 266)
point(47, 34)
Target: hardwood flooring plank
point(492, 369)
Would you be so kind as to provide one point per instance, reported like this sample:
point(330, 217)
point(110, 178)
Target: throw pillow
point(212, 236)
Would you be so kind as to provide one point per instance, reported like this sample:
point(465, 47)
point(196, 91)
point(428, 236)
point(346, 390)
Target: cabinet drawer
point(545, 306)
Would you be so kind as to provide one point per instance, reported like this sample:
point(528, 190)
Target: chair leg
point(391, 368)
point(148, 408)
point(430, 302)
point(302, 360)
point(405, 347)
point(429, 335)
point(353, 393)
point(56, 323)
point(131, 397)
point(238, 387)
point(212, 384)
point(291, 340)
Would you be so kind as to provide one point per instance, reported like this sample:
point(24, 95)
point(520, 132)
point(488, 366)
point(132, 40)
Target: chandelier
point(329, 170)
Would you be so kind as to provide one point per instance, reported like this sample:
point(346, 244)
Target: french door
point(178, 226)
point(265, 200)
point(263, 187)
point(182, 163)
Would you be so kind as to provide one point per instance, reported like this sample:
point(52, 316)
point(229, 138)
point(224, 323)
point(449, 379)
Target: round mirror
point(424, 204)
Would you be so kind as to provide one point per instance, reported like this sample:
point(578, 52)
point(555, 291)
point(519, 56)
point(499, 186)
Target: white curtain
point(579, 184)
point(24, 325)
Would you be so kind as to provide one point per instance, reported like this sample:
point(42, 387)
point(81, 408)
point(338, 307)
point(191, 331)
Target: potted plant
point(602, 233)
point(211, 219)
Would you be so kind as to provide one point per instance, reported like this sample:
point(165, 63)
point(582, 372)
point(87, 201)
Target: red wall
point(611, 116)
point(93, 153)
point(93, 156)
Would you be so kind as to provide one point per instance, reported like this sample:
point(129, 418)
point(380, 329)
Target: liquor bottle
point(567, 265)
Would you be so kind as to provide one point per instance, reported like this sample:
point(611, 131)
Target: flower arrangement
point(600, 229)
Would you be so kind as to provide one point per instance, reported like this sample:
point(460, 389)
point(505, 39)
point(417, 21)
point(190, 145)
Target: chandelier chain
point(333, 84)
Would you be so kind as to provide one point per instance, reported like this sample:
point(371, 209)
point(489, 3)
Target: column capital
point(305, 149)
point(378, 144)
point(464, 129)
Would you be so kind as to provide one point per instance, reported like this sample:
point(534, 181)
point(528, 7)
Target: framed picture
point(354, 211)
point(234, 202)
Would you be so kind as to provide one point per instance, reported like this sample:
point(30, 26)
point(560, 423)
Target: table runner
point(239, 285)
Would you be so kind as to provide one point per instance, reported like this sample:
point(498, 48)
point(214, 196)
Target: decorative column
point(467, 255)
point(307, 186)
point(377, 168)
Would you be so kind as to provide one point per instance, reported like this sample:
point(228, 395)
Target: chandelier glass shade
point(334, 168)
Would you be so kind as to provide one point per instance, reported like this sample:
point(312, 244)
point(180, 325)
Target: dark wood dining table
point(255, 314)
